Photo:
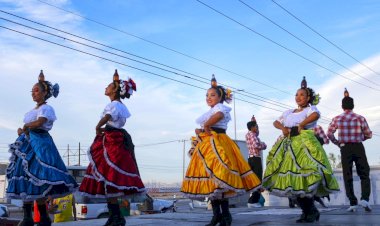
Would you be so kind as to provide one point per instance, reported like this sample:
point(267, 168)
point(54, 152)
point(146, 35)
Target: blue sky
point(190, 37)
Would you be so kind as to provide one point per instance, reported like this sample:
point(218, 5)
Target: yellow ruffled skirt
point(217, 169)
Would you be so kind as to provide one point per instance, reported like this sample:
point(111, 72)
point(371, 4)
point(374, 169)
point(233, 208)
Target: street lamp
point(233, 96)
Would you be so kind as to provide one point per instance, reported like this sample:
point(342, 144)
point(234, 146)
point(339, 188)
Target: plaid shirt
point(353, 128)
point(318, 131)
point(254, 145)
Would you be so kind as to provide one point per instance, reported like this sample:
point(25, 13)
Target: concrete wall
point(2, 186)
point(340, 197)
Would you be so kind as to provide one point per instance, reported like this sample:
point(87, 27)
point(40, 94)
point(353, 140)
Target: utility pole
point(183, 159)
point(234, 118)
point(235, 91)
point(79, 155)
point(68, 154)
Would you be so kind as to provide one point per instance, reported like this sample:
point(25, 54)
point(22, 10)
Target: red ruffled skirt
point(113, 170)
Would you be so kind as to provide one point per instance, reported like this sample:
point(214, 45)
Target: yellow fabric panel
point(217, 168)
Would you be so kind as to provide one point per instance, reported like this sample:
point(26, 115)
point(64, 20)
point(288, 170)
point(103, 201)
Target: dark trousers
point(257, 168)
point(350, 153)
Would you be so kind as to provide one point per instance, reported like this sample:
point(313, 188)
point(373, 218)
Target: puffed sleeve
point(313, 109)
point(125, 112)
point(111, 109)
point(284, 115)
point(46, 111)
point(221, 108)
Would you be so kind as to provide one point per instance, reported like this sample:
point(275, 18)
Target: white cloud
point(158, 112)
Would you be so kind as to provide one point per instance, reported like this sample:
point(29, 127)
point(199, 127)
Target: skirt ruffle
point(112, 171)
point(299, 166)
point(217, 169)
point(36, 169)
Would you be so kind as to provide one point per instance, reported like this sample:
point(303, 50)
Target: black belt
point(349, 143)
point(39, 130)
point(294, 131)
point(218, 130)
point(251, 156)
point(127, 138)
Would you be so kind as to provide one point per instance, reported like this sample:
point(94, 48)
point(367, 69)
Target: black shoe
point(302, 218)
point(313, 216)
point(109, 221)
point(214, 220)
point(27, 221)
point(119, 221)
point(45, 222)
point(320, 201)
point(226, 220)
point(115, 221)
point(291, 203)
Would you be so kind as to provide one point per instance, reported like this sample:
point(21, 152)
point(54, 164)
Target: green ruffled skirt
point(298, 166)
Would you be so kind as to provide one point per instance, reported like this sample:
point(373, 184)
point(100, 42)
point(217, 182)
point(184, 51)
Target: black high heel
point(226, 221)
point(28, 219)
point(313, 216)
point(214, 221)
point(302, 218)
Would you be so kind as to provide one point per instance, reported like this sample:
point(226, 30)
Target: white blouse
point(290, 119)
point(119, 114)
point(217, 108)
point(44, 111)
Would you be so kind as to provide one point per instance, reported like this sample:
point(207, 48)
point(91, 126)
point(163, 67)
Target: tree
point(332, 160)
point(335, 161)
point(339, 165)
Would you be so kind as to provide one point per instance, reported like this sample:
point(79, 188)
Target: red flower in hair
point(132, 83)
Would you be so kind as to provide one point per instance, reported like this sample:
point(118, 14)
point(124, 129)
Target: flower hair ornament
point(225, 93)
point(316, 100)
point(229, 96)
point(126, 86)
point(51, 90)
point(310, 92)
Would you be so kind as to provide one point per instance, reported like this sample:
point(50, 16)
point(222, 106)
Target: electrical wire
point(254, 96)
point(159, 143)
point(284, 47)
point(100, 57)
point(167, 48)
point(307, 44)
point(103, 58)
point(323, 37)
point(114, 61)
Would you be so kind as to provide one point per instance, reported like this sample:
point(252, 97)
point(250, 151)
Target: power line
point(159, 143)
point(284, 47)
point(251, 95)
point(155, 44)
point(86, 39)
point(326, 39)
point(167, 48)
point(141, 39)
point(304, 42)
point(93, 47)
point(100, 57)
point(129, 65)
point(116, 62)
